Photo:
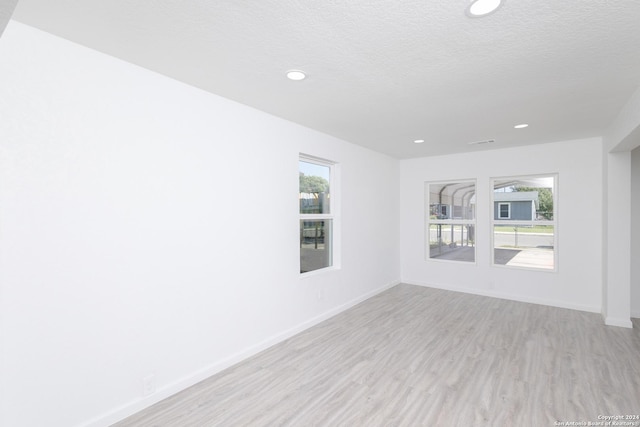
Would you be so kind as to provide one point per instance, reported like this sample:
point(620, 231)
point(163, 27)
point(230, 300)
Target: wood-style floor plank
point(415, 356)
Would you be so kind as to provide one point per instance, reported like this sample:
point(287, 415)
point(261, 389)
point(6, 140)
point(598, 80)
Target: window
point(504, 211)
point(451, 221)
point(316, 214)
point(524, 222)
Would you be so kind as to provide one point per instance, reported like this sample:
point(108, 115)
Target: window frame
point(532, 222)
point(332, 216)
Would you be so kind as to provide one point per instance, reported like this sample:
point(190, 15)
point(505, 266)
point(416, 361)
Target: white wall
point(6, 10)
point(576, 284)
point(616, 308)
point(635, 233)
point(622, 136)
point(624, 132)
point(150, 228)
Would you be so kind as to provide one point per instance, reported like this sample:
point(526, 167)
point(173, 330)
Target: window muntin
point(316, 216)
point(451, 220)
point(527, 237)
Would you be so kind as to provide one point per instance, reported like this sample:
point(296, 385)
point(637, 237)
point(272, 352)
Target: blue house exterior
point(515, 206)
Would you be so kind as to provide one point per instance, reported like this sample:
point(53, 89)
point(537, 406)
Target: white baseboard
point(613, 321)
point(510, 297)
point(635, 314)
point(162, 393)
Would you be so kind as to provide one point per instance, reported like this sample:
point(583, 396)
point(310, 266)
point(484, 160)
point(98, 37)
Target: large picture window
point(316, 214)
point(524, 222)
point(451, 220)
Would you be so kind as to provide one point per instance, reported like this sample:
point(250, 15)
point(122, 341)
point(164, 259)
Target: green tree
point(313, 184)
point(545, 200)
point(316, 186)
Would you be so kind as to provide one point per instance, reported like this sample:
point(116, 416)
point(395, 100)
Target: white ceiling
point(6, 9)
point(382, 73)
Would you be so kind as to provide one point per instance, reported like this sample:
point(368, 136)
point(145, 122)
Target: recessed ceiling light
point(479, 8)
point(521, 126)
point(419, 141)
point(296, 75)
point(484, 141)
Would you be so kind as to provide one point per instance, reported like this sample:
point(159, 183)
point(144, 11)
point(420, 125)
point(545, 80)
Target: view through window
point(524, 222)
point(451, 220)
point(316, 219)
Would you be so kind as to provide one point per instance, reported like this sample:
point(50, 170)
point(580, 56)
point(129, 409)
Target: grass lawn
point(525, 229)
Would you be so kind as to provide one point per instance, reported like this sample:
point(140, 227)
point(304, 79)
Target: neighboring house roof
point(515, 196)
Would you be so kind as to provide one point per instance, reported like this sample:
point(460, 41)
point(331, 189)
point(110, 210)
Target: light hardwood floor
point(415, 356)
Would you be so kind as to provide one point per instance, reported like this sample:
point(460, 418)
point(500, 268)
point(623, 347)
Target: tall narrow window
point(524, 222)
point(316, 214)
point(451, 220)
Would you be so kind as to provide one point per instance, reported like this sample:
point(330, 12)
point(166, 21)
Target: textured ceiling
point(382, 73)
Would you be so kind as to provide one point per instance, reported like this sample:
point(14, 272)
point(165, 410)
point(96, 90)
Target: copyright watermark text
point(604, 420)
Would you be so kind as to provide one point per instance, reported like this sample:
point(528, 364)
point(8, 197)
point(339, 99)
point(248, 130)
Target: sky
point(314, 169)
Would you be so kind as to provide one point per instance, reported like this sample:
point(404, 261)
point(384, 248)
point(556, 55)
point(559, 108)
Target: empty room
point(342, 213)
